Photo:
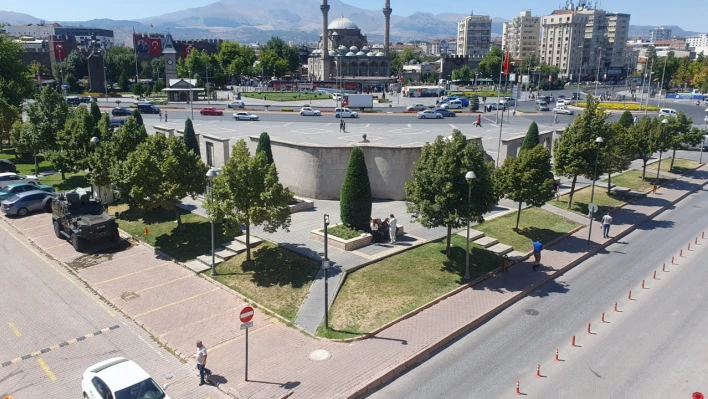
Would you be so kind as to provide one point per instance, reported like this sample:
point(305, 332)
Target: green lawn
point(681, 166)
point(581, 199)
point(632, 179)
point(286, 96)
point(344, 232)
point(25, 166)
point(383, 291)
point(275, 277)
point(193, 241)
point(535, 223)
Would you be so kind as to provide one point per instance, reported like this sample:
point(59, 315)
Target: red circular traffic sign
point(698, 395)
point(246, 314)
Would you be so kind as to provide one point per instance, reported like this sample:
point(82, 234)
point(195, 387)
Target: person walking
point(606, 222)
point(556, 189)
point(344, 126)
point(537, 247)
point(479, 121)
point(165, 116)
point(201, 361)
point(341, 125)
point(160, 116)
point(392, 227)
point(555, 118)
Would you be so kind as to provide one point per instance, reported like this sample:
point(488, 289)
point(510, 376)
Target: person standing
point(160, 116)
point(374, 231)
point(201, 361)
point(344, 126)
point(555, 118)
point(606, 222)
point(341, 125)
point(392, 227)
point(165, 116)
point(537, 247)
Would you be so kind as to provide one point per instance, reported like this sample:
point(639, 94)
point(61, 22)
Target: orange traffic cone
point(147, 231)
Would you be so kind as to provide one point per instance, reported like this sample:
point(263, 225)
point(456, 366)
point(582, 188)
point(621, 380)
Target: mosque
point(344, 51)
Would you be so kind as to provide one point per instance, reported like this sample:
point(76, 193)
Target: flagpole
point(135, 51)
point(501, 70)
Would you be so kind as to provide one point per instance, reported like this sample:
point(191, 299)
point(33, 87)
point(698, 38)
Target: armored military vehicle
point(79, 217)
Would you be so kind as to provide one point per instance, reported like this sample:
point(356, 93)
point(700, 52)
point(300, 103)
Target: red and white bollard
point(602, 319)
point(689, 246)
point(616, 307)
point(518, 392)
point(629, 296)
point(589, 329)
point(573, 342)
point(695, 241)
point(672, 260)
point(654, 274)
point(663, 268)
point(538, 371)
point(703, 234)
point(681, 253)
point(556, 359)
point(643, 284)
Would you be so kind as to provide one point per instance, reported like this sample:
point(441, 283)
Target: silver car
point(25, 202)
point(429, 114)
point(415, 107)
point(245, 116)
point(562, 110)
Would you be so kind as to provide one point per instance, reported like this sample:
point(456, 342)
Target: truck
point(80, 218)
point(359, 101)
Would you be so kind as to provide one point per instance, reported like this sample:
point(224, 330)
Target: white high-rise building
point(474, 35)
point(697, 41)
point(562, 35)
point(521, 35)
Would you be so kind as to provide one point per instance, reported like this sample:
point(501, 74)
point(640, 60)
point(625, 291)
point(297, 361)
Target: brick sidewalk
point(179, 307)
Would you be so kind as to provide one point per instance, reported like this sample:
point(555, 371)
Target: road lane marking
point(59, 271)
point(46, 369)
point(155, 286)
point(14, 329)
point(452, 126)
point(174, 303)
point(367, 125)
point(129, 274)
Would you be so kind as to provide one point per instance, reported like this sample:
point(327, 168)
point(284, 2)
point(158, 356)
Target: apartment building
point(562, 37)
point(659, 34)
point(697, 41)
point(520, 35)
point(474, 35)
point(82, 34)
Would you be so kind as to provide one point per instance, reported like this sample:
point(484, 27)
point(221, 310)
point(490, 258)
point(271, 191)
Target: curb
point(426, 353)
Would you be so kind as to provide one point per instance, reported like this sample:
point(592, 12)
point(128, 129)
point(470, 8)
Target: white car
point(309, 111)
point(561, 102)
point(245, 116)
point(429, 114)
point(667, 112)
point(508, 101)
point(452, 104)
point(236, 104)
point(118, 378)
point(336, 97)
point(14, 178)
point(345, 113)
point(562, 110)
point(415, 107)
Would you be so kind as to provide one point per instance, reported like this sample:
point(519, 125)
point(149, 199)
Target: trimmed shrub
point(531, 140)
point(190, 139)
point(355, 196)
point(264, 145)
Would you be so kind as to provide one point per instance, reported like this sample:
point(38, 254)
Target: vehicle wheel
point(57, 230)
point(75, 242)
point(336, 116)
point(22, 211)
point(438, 117)
point(301, 114)
point(47, 206)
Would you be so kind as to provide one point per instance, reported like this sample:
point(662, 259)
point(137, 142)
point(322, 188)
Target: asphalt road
point(653, 348)
point(44, 306)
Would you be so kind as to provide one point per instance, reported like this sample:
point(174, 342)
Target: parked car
point(25, 202)
point(562, 109)
point(118, 111)
point(7, 166)
point(576, 96)
point(452, 104)
point(309, 111)
point(13, 178)
point(542, 106)
point(416, 107)
point(444, 112)
point(494, 106)
point(12, 189)
point(159, 101)
point(560, 102)
point(148, 108)
point(561, 97)
point(245, 116)
point(211, 111)
point(345, 113)
point(117, 122)
point(120, 378)
point(508, 101)
point(667, 112)
point(429, 114)
point(236, 104)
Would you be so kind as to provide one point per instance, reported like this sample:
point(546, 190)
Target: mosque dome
point(342, 23)
point(350, 54)
point(353, 48)
point(360, 54)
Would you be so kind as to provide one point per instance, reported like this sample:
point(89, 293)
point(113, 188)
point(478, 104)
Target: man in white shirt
point(201, 361)
point(392, 227)
point(606, 222)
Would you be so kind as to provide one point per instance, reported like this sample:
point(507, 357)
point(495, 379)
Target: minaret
point(387, 24)
point(325, 40)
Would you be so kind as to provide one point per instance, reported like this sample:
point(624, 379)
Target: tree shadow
point(71, 183)
point(274, 266)
point(481, 262)
point(535, 233)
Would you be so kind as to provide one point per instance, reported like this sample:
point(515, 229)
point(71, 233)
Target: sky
point(688, 14)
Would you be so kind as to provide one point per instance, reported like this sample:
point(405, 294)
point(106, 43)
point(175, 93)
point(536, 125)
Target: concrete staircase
point(224, 253)
point(488, 243)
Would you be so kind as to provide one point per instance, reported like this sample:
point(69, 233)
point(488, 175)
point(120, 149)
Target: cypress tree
point(264, 145)
point(138, 117)
point(355, 196)
point(531, 140)
point(95, 113)
point(626, 120)
point(190, 139)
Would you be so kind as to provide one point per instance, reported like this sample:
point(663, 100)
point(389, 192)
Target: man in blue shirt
point(537, 247)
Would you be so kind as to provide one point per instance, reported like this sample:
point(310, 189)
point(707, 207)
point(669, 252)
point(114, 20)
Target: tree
point(95, 113)
point(620, 149)
point(526, 179)
point(355, 195)
point(645, 135)
point(272, 64)
point(474, 103)
point(285, 52)
point(431, 78)
point(9, 114)
point(190, 138)
point(575, 152)
point(531, 140)
point(161, 171)
point(120, 61)
point(47, 116)
point(464, 74)
point(264, 145)
point(236, 59)
point(490, 65)
point(138, 89)
point(437, 194)
point(681, 135)
point(78, 64)
point(626, 120)
point(16, 84)
point(124, 141)
point(158, 86)
point(247, 192)
point(27, 139)
point(123, 82)
point(528, 63)
point(138, 117)
point(73, 142)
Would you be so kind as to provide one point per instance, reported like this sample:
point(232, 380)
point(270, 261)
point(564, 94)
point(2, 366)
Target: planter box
point(339, 243)
point(302, 205)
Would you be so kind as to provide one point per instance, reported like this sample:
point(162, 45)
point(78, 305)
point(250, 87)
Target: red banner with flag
point(507, 63)
point(155, 46)
point(187, 48)
point(59, 51)
point(550, 78)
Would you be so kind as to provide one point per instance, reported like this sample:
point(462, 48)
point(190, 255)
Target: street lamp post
point(105, 82)
point(661, 86)
point(597, 74)
point(211, 174)
point(325, 267)
point(95, 141)
point(501, 125)
point(469, 176)
point(703, 138)
point(580, 73)
point(599, 142)
point(661, 152)
point(191, 107)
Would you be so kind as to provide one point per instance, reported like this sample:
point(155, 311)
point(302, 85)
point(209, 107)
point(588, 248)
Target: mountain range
point(256, 20)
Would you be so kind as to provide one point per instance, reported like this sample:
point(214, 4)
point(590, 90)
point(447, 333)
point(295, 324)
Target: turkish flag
point(550, 78)
point(188, 49)
point(59, 51)
point(155, 46)
point(507, 61)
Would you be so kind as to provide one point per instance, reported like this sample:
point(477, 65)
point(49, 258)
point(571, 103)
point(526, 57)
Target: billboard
point(59, 51)
point(149, 45)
